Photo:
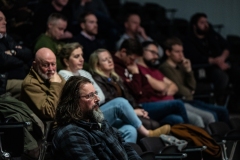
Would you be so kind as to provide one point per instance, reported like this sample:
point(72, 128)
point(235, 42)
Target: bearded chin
point(152, 64)
point(98, 115)
point(202, 32)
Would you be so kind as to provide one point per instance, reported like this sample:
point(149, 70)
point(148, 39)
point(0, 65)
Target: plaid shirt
point(87, 140)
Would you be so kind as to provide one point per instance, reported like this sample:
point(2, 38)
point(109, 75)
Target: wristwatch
point(13, 52)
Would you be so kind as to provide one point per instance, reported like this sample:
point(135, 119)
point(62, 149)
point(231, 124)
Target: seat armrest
point(171, 156)
point(193, 149)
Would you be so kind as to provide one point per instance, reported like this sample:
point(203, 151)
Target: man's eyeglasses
point(91, 95)
point(152, 51)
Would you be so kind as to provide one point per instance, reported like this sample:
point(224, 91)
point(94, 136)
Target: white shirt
point(67, 74)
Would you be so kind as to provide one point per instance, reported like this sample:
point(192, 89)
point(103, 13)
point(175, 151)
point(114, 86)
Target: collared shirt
point(92, 38)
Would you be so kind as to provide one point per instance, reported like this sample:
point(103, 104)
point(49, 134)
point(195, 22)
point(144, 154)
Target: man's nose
point(50, 67)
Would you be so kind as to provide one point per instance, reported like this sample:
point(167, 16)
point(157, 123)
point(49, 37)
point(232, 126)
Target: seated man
point(42, 86)
point(82, 132)
point(179, 70)
point(14, 61)
point(87, 38)
point(205, 47)
point(134, 30)
point(56, 25)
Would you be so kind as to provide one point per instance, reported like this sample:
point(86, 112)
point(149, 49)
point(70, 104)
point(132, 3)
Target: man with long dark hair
point(82, 132)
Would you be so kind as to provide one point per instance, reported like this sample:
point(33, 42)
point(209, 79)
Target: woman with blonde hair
point(118, 112)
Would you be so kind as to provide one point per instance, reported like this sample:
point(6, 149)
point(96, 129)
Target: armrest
point(14, 124)
point(171, 156)
point(233, 135)
point(193, 149)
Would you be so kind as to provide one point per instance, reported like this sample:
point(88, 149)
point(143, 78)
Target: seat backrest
point(235, 122)
point(12, 138)
point(136, 147)
point(143, 155)
point(219, 128)
point(156, 145)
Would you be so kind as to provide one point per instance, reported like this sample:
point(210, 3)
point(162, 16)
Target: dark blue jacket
point(87, 140)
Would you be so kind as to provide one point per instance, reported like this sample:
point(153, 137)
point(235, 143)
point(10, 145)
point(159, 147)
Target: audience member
point(18, 15)
point(204, 46)
point(44, 10)
point(42, 86)
point(87, 37)
point(107, 27)
point(117, 111)
point(133, 30)
point(95, 6)
point(165, 112)
point(14, 61)
point(179, 70)
point(56, 23)
point(82, 132)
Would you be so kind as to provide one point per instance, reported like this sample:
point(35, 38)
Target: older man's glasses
point(91, 95)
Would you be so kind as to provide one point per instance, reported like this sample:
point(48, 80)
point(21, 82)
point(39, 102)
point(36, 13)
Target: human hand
point(186, 64)
point(141, 113)
point(133, 68)
point(224, 66)
point(141, 31)
point(55, 78)
point(83, 2)
point(8, 53)
point(66, 35)
point(18, 47)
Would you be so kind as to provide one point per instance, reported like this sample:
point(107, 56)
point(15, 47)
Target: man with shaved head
point(42, 86)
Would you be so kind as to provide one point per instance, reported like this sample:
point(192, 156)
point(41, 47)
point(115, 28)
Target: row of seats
point(12, 141)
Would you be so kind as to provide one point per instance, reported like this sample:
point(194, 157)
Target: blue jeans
point(220, 113)
point(167, 112)
point(120, 114)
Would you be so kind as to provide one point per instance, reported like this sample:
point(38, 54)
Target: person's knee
point(172, 119)
point(129, 133)
point(122, 103)
point(195, 119)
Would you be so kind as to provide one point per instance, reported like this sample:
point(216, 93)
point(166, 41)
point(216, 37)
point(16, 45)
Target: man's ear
point(123, 52)
point(167, 52)
point(34, 64)
point(82, 25)
point(126, 24)
point(49, 25)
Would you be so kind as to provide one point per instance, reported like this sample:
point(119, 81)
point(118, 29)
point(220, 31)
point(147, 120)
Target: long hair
point(68, 108)
point(67, 50)
point(94, 63)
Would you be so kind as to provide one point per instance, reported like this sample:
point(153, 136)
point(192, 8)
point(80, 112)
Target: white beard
point(42, 75)
point(98, 115)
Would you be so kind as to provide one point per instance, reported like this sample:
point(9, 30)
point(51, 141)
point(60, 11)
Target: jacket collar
point(88, 125)
point(36, 75)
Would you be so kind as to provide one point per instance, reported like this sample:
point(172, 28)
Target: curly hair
point(68, 108)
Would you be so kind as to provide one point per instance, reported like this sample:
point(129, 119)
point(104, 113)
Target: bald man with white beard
point(42, 86)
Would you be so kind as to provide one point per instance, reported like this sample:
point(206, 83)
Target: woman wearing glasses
point(118, 112)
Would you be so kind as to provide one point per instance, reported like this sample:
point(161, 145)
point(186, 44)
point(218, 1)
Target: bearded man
point(42, 86)
point(82, 132)
point(205, 47)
